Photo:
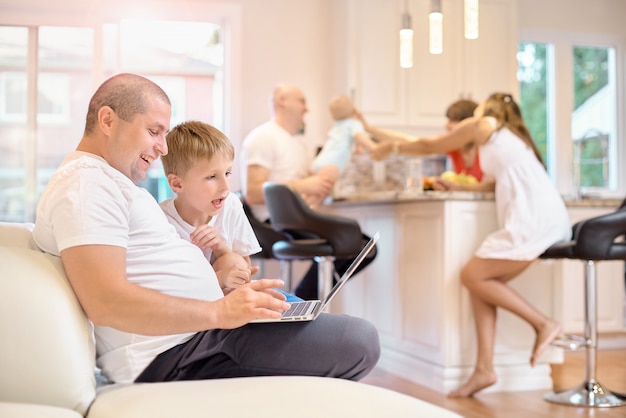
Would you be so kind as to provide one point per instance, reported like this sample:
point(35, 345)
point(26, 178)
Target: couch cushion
point(47, 355)
point(24, 410)
point(17, 235)
point(260, 397)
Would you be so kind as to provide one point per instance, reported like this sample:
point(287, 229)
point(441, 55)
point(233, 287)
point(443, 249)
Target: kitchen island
point(413, 295)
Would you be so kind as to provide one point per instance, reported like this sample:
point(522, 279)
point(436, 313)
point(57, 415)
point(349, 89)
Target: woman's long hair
point(502, 107)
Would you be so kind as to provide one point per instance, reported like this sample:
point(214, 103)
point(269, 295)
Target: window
point(594, 119)
point(532, 75)
point(187, 59)
point(574, 117)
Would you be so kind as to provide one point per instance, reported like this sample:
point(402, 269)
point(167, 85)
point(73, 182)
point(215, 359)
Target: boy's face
point(206, 185)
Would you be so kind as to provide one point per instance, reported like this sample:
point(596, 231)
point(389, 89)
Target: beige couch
point(47, 363)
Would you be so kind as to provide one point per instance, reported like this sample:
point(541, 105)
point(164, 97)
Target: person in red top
point(465, 160)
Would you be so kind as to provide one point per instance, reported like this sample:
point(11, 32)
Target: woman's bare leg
point(486, 280)
point(484, 374)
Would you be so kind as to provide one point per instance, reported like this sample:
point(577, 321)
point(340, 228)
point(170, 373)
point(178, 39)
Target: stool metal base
point(589, 394)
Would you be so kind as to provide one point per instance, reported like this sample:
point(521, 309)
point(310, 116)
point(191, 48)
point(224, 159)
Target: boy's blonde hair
point(192, 141)
point(341, 107)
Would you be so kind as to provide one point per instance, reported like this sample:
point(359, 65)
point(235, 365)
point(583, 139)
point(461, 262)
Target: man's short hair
point(124, 93)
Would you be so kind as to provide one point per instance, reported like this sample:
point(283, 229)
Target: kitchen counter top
point(404, 196)
point(593, 202)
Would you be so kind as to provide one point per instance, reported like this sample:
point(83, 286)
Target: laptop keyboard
point(298, 308)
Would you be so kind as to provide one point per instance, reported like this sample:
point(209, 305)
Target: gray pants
point(332, 346)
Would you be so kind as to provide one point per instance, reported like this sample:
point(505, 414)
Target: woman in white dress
point(531, 217)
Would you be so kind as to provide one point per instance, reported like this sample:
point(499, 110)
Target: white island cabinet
point(413, 295)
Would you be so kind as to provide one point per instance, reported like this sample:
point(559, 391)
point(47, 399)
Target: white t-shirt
point(231, 223)
point(286, 156)
point(89, 202)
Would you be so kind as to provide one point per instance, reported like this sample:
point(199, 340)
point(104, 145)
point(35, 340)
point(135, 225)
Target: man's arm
point(97, 274)
point(313, 185)
point(256, 177)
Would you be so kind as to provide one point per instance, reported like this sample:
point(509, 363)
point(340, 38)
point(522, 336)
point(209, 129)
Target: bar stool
point(311, 235)
point(593, 240)
point(267, 236)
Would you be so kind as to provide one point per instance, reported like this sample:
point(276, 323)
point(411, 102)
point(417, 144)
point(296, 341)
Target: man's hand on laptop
point(254, 300)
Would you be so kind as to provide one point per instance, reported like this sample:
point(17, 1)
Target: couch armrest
point(47, 355)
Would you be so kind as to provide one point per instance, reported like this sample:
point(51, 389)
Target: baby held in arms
point(346, 135)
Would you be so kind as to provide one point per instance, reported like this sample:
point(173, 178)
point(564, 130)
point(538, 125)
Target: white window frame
point(82, 14)
point(560, 105)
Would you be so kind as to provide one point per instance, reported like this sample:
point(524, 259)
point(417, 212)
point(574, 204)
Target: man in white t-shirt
point(276, 151)
point(158, 310)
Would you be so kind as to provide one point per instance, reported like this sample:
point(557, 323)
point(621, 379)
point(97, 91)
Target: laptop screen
point(350, 271)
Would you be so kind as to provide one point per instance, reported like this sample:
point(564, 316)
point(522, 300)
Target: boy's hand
point(206, 236)
point(234, 276)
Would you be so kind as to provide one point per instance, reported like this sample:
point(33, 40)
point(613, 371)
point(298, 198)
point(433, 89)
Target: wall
point(286, 41)
point(601, 16)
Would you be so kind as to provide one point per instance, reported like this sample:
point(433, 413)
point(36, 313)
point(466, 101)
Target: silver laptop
point(308, 310)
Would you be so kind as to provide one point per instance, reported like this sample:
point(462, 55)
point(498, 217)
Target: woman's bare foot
point(477, 382)
point(545, 336)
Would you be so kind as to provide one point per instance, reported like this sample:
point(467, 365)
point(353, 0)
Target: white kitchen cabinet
point(417, 97)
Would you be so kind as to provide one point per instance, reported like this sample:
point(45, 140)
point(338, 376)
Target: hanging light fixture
point(435, 31)
point(406, 40)
point(471, 19)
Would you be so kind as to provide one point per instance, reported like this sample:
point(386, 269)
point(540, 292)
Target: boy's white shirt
point(231, 223)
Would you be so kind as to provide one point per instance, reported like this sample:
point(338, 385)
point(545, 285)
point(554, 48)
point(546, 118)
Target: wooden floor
point(611, 373)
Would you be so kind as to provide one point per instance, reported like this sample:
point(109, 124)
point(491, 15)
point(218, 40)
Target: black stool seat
point(302, 248)
point(593, 240)
point(617, 251)
point(564, 249)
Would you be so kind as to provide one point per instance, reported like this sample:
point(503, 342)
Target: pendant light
point(471, 19)
point(406, 39)
point(435, 28)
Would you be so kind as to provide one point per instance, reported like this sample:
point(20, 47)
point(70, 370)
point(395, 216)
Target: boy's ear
point(174, 182)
